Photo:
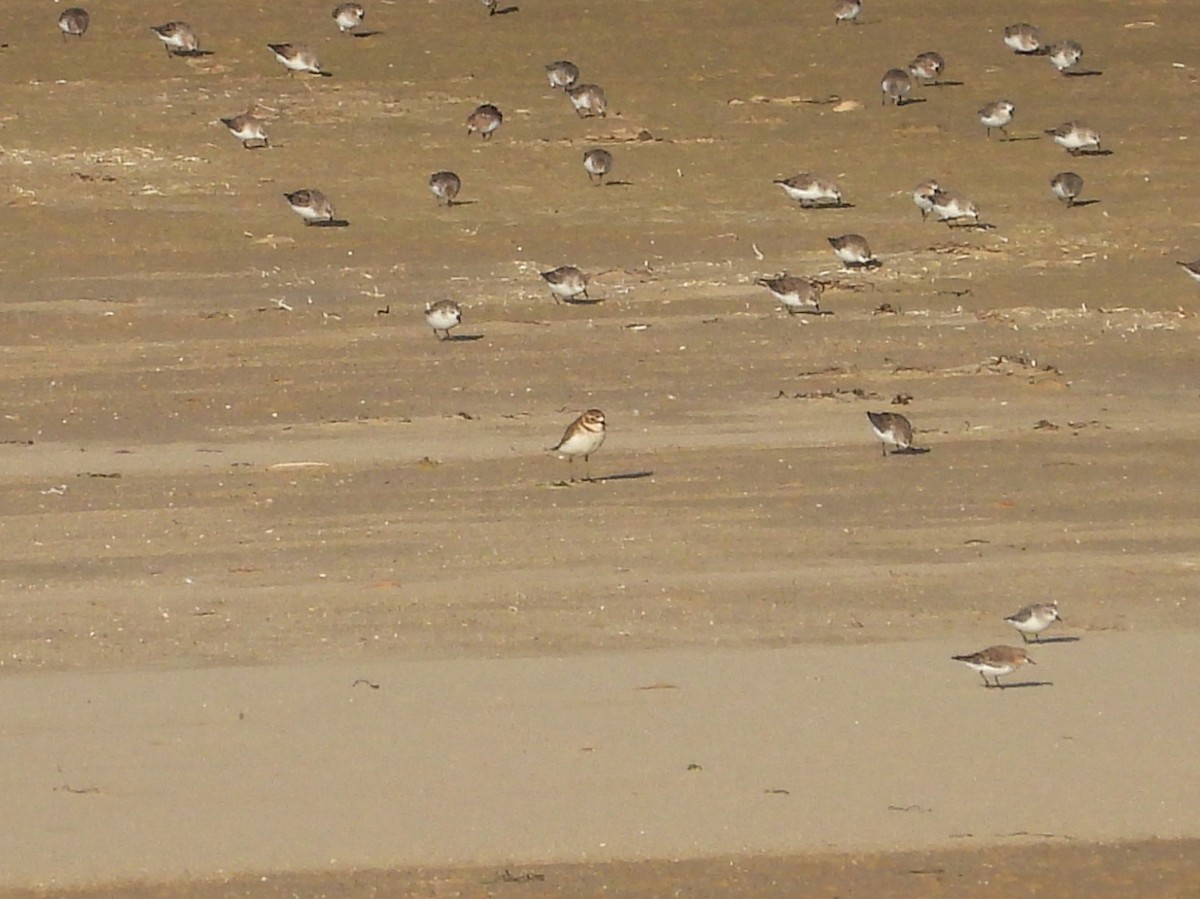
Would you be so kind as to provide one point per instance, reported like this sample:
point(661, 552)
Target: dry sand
point(239, 469)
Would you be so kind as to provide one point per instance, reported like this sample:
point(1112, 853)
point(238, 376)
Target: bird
point(1067, 186)
point(796, 294)
point(442, 316)
point(311, 205)
point(566, 283)
point(923, 195)
point(1075, 138)
point(811, 190)
point(248, 129)
point(1023, 38)
point(893, 428)
point(1033, 619)
point(588, 100)
point(1192, 269)
point(485, 119)
point(582, 437)
point(298, 58)
point(927, 67)
point(997, 115)
point(597, 162)
point(846, 11)
point(996, 661)
point(179, 38)
point(562, 73)
point(1065, 55)
point(74, 21)
point(853, 250)
point(348, 16)
point(896, 86)
point(445, 186)
point(951, 207)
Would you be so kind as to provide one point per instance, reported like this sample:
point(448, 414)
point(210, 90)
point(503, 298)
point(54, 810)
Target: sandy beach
point(293, 598)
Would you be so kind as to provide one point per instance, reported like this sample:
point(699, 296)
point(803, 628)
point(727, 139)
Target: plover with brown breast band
point(996, 661)
point(485, 119)
point(582, 437)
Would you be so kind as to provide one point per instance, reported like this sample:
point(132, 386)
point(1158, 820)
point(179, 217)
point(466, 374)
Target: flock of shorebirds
point(585, 435)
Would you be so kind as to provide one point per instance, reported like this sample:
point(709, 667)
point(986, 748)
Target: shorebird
point(796, 294)
point(348, 16)
point(923, 195)
point(927, 67)
point(566, 283)
point(1067, 186)
point(1023, 39)
point(896, 86)
point(891, 428)
point(811, 190)
point(1065, 55)
point(248, 129)
point(588, 100)
point(582, 438)
point(846, 11)
point(74, 21)
point(597, 163)
point(1075, 138)
point(179, 38)
point(298, 58)
point(853, 250)
point(951, 207)
point(1033, 619)
point(311, 205)
point(485, 119)
point(996, 661)
point(442, 316)
point(997, 115)
point(1191, 269)
point(445, 186)
point(562, 73)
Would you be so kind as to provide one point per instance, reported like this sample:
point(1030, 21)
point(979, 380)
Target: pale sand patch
point(167, 774)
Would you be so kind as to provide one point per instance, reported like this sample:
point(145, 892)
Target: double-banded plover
point(582, 437)
point(927, 67)
point(485, 119)
point(311, 205)
point(997, 114)
point(249, 129)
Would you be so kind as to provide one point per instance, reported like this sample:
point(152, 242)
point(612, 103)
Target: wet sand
point(232, 447)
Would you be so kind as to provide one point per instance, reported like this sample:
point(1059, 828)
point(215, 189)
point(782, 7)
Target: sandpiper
point(796, 294)
point(996, 661)
point(846, 11)
point(485, 119)
point(1192, 269)
point(811, 190)
point(74, 21)
point(298, 58)
point(566, 283)
point(445, 186)
point(348, 16)
point(997, 115)
point(588, 100)
point(1065, 55)
point(248, 129)
point(582, 438)
point(442, 316)
point(179, 38)
point(1067, 186)
point(923, 196)
point(311, 205)
point(1033, 619)
point(853, 250)
point(896, 86)
point(950, 207)
point(597, 162)
point(1023, 38)
point(562, 73)
point(927, 67)
point(891, 428)
point(1075, 138)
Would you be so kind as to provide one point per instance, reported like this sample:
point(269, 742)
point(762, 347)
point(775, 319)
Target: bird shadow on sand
point(815, 206)
point(506, 10)
point(191, 54)
point(1019, 685)
point(970, 226)
point(1014, 139)
point(623, 476)
point(1083, 73)
point(582, 301)
point(910, 451)
point(463, 338)
point(1090, 153)
point(361, 34)
point(910, 101)
point(816, 312)
point(1048, 640)
point(332, 223)
point(616, 184)
point(1078, 203)
point(944, 84)
point(454, 203)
